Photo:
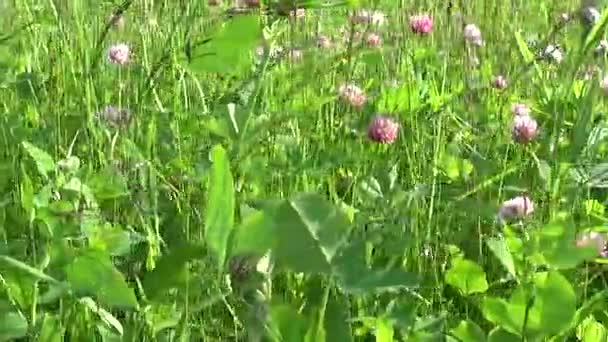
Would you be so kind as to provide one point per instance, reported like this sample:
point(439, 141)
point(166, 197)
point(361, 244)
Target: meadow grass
point(185, 186)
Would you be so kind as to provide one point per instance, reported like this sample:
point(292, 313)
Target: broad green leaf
point(44, 162)
point(108, 237)
point(310, 231)
point(286, 324)
point(231, 46)
point(171, 269)
point(337, 327)
point(355, 277)
point(12, 326)
point(108, 184)
point(557, 246)
point(501, 335)
point(219, 213)
point(384, 331)
point(468, 331)
point(375, 281)
point(554, 303)
point(256, 234)
point(92, 273)
point(496, 310)
point(500, 249)
point(51, 330)
point(467, 276)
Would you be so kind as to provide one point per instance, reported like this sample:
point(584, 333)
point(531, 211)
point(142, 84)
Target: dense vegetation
point(303, 171)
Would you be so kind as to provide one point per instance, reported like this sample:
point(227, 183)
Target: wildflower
point(373, 40)
point(472, 34)
point(499, 82)
point(383, 129)
point(115, 116)
point(520, 109)
point(604, 84)
point(119, 54)
point(593, 239)
point(589, 16)
point(421, 24)
point(376, 18)
point(524, 129)
point(323, 42)
point(516, 208)
point(554, 53)
point(352, 95)
point(117, 20)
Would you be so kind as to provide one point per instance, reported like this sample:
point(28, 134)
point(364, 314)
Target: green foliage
point(467, 276)
point(219, 218)
point(244, 199)
point(92, 273)
point(12, 326)
point(230, 46)
point(469, 331)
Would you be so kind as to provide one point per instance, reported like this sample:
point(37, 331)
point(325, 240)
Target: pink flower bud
point(383, 129)
point(119, 54)
point(472, 34)
point(516, 208)
point(520, 109)
point(499, 82)
point(373, 40)
point(352, 95)
point(524, 129)
point(421, 24)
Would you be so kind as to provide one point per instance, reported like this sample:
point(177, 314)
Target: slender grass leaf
point(27, 269)
point(51, 330)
